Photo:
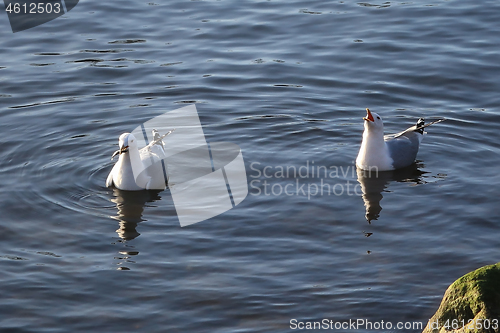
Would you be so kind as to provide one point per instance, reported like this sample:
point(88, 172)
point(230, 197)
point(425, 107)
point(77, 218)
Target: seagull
point(138, 169)
point(390, 152)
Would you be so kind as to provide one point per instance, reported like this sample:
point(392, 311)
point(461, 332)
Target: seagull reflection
point(374, 183)
point(130, 206)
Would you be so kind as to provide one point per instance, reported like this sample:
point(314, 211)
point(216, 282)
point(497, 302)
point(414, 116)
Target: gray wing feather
point(403, 149)
point(403, 146)
point(414, 128)
point(157, 138)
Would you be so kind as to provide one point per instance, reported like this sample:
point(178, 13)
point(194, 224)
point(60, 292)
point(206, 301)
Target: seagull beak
point(369, 116)
point(120, 151)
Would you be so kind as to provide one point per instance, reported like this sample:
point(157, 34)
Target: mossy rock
point(472, 299)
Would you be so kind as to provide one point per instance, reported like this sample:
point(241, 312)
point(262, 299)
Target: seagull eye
point(378, 117)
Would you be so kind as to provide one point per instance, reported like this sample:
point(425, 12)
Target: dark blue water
point(288, 81)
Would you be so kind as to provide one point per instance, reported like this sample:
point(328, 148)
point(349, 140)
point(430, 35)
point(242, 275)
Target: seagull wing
point(157, 139)
point(152, 156)
point(414, 128)
point(403, 148)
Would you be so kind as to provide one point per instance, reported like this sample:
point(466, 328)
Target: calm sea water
point(288, 82)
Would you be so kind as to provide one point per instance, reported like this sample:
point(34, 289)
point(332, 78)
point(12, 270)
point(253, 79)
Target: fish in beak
point(120, 151)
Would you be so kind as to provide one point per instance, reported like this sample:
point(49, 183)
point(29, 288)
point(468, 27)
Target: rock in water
point(470, 304)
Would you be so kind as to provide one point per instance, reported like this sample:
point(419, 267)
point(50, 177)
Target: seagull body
point(389, 152)
point(138, 169)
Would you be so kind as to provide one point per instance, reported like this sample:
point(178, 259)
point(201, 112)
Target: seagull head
point(125, 141)
point(373, 122)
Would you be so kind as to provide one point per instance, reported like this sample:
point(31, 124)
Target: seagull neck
point(374, 144)
point(374, 136)
point(133, 152)
point(374, 153)
point(131, 157)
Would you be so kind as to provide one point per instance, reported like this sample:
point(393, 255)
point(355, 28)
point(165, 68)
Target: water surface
point(288, 82)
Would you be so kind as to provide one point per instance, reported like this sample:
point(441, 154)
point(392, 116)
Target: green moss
point(474, 296)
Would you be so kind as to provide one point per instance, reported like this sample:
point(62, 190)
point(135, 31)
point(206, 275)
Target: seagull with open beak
point(389, 152)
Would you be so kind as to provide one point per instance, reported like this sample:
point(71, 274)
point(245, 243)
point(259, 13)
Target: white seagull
point(138, 169)
point(390, 152)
